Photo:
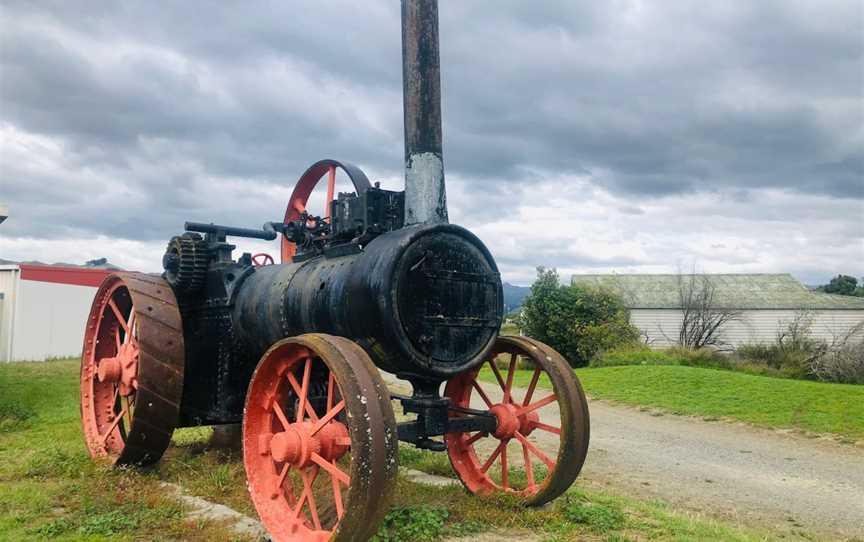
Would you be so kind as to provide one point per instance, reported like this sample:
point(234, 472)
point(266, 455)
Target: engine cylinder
point(424, 300)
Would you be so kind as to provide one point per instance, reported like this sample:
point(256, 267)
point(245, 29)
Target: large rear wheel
point(319, 441)
point(131, 369)
point(543, 427)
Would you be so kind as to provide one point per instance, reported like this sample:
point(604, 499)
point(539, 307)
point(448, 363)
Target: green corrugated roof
point(738, 291)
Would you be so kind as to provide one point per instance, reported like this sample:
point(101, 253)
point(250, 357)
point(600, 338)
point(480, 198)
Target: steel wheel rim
point(147, 375)
point(110, 372)
point(518, 416)
point(302, 453)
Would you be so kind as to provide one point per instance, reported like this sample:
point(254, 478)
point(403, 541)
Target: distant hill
point(514, 296)
point(101, 263)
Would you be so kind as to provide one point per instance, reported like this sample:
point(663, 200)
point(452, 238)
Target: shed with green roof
point(765, 305)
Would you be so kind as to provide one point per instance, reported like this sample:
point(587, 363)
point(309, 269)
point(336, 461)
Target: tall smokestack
point(425, 197)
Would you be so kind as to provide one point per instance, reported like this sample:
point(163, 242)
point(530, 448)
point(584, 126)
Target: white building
point(43, 310)
point(766, 304)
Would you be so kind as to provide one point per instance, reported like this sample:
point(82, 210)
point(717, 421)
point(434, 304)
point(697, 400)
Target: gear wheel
point(185, 263)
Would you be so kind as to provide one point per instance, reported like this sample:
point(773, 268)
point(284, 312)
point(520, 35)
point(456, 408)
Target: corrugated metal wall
point(8, 286)
point(661, 326)
point(50, 320)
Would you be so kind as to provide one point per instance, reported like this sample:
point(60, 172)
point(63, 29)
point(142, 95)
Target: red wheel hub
point(121, 369)
point(512, 420)
point(299, 442)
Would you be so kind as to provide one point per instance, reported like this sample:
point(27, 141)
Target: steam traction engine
point(291, 350)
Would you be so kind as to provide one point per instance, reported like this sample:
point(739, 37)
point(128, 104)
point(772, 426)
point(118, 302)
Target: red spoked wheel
point(319, 441)
point(131, 369)
point(542, 436)
point(307, 183)
point(262, 259)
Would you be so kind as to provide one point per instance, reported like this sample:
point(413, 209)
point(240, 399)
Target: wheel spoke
point(505, 473)
point(337, 498)
point(117, 340)
point(112, 427)
point(331, 385)
point(480, 392)
point(498, 375)
point(281, 415)
point(277, 489)
point(529, 467)
point(304, 390)
point(549, 428)
point(298, 390)
point(475, 438)
point(310, 497)
point(128, 410)
point(119, 315)
point(531, 387)
point(334, 471)
point(511, 371)
point(302, 500)
point(493, 457)
point(536, 451)
point(327, 417)
point(539, 404)
point(130, 333)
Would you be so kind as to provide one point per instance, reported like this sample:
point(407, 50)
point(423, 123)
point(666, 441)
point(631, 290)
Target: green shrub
point(577, 321)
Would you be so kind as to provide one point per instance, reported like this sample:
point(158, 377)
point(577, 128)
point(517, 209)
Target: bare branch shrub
point(843, 360)
point(796, 353)
point(703, 318)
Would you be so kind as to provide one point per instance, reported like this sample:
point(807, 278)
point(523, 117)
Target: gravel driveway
point(759, 477)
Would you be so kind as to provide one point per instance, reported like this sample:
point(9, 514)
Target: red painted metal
point(331, 188)
point(108, 400)
point(262, 258)
point(132, 368)
point(304, 187)
point(315, 416)
point(541, 477)
point(78, 276)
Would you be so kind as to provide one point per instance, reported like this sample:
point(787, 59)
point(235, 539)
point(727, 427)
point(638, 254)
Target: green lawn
point(50, 489)
point(765, 401)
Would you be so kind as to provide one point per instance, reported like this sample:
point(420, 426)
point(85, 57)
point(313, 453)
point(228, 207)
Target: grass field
point(765, 401)
point(50, 489)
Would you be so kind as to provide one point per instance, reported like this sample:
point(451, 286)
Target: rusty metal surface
point(160, 369)
point(425, 300)
point(425, 194)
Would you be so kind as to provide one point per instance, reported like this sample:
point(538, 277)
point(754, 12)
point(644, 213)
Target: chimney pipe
point(425, 197)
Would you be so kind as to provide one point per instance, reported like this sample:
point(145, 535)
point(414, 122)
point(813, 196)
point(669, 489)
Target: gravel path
point(759, 477)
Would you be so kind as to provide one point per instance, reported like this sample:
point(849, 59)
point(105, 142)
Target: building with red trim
point(43, 309)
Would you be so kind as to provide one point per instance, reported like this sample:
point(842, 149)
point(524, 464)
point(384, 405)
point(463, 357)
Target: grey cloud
point(166, 102)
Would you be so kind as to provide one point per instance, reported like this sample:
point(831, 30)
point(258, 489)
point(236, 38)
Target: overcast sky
point(627, 136)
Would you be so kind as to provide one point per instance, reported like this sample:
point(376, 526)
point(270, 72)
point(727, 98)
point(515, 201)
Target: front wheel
point(319, 441)
point(543, 429)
